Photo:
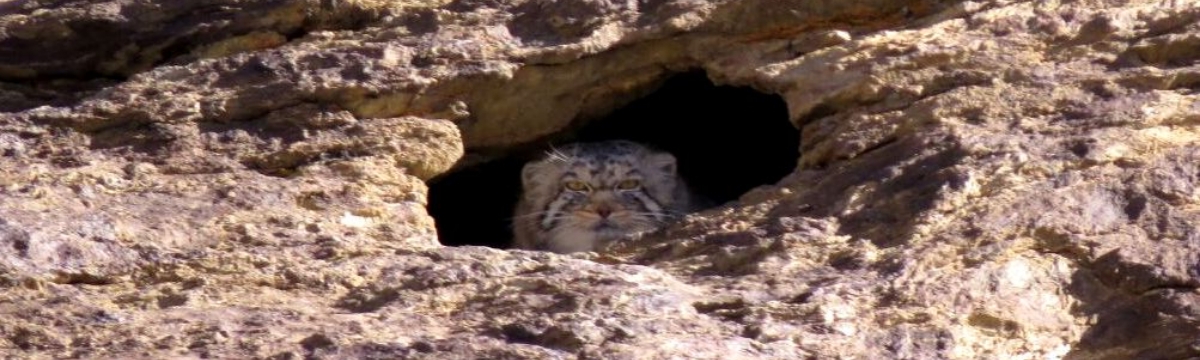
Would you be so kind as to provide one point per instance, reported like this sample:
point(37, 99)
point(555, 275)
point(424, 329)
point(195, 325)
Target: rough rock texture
point(244, 179)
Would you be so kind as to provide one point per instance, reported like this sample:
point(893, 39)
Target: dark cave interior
point(727, 140)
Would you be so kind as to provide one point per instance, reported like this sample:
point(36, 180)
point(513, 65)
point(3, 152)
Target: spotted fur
point(553, 217)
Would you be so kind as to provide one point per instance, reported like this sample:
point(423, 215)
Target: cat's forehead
point(596, 155)
point(605, 165)
point(601, 161)
point(609, 166)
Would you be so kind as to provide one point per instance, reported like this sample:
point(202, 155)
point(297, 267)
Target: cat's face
point(601, 191)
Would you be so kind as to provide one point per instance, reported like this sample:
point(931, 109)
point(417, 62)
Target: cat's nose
point(604, 211)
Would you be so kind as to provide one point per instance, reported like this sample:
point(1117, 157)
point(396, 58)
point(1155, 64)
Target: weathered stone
point(246, 179)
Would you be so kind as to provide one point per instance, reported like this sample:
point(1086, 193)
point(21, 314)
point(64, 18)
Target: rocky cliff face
point(247, 179)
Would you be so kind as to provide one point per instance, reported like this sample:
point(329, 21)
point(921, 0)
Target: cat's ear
point(662, 162)
point(529, 174)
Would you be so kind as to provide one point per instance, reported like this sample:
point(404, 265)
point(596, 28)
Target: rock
point(247, 179)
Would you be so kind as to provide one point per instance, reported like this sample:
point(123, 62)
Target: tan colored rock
point(245, 179)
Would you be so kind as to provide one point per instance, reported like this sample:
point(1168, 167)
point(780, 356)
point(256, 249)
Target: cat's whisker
point(528, 215)
point(557, 155)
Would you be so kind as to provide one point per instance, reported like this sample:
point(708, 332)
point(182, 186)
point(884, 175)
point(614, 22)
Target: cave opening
point(727, 140)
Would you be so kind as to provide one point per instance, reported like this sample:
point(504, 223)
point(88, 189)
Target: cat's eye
point(576, 185)
point(628, 184)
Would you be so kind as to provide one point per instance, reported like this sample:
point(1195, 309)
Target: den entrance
point(727, 140)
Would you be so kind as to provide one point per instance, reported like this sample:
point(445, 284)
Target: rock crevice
point(247, 179)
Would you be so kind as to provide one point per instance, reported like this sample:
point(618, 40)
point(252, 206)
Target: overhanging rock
point(247, 179)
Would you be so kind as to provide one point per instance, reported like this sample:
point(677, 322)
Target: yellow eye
point(629, 184)
point(576, 185)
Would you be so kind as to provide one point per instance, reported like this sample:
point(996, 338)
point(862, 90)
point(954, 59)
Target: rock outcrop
point(246, 179)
